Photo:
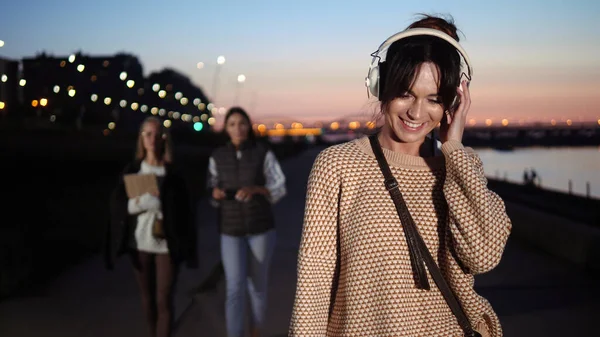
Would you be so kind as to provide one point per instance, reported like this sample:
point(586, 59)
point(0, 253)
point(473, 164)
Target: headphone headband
point(372, 80)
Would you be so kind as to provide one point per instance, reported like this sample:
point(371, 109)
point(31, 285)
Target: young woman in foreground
point(357, 273)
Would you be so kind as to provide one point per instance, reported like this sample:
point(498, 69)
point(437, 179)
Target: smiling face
point(415, 113)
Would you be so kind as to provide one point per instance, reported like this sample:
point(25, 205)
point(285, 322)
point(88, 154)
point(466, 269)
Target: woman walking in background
point(246, 179)
point(157, 230)
point(381, 208)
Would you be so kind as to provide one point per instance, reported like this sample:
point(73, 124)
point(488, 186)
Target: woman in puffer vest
point(246, 179)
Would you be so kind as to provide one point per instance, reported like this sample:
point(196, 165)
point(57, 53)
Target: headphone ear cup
point(373, 81)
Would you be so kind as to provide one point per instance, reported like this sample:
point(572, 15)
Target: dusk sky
point(532, 59)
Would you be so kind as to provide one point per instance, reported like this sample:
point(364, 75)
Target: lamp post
point(240, 81)
point(220, 62)
point(253, 102)
point(2, 80)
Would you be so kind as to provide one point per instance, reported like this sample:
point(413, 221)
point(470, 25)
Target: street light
point(220, 62)
point(1, 43)
point(240, 80)
point(253, 102)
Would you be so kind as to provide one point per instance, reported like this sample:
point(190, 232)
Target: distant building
point(79, 88)
point(9, 81)
point(97, 90)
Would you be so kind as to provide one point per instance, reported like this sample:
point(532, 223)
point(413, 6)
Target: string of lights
point(205, 109)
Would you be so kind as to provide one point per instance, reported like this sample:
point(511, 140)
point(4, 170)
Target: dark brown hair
point(404, 57)
point(433, 22)
point(244, 114)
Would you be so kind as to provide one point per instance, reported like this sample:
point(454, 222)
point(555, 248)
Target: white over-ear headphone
point(372, 79)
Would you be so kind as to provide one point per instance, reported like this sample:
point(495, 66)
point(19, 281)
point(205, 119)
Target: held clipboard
point(138, 184)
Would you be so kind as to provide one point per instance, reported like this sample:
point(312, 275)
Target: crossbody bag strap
point(391, 184)
point(418, 251)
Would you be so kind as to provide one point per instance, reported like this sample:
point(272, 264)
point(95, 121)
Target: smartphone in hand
point(230, 194)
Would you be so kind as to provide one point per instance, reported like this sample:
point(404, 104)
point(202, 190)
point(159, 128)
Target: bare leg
point(166, 273)
point(143, 273)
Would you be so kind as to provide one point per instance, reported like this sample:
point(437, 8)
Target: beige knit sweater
point(354, 272)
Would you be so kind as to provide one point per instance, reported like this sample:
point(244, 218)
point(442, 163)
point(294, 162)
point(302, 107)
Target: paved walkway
point(533, 294)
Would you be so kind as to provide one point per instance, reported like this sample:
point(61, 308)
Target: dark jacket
point(178, 219)
point(243, 218)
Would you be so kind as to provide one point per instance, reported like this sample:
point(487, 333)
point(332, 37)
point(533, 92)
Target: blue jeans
point(246, 261)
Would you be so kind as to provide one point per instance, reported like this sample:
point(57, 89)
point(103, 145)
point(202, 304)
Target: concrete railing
point(562, 225)
point(575, 242)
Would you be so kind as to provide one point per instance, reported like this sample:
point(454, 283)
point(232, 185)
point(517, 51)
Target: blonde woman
point(157, 231)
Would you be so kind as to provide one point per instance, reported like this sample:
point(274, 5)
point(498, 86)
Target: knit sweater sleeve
point(477, 216)
point(318, 250)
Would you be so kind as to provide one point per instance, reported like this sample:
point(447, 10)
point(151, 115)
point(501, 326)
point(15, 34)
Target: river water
point(554, 166)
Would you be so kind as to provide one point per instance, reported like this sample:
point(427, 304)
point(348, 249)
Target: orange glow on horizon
point(293, 132)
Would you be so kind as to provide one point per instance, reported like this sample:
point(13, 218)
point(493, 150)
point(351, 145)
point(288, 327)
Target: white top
point(148, 208)
point(274, 177)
